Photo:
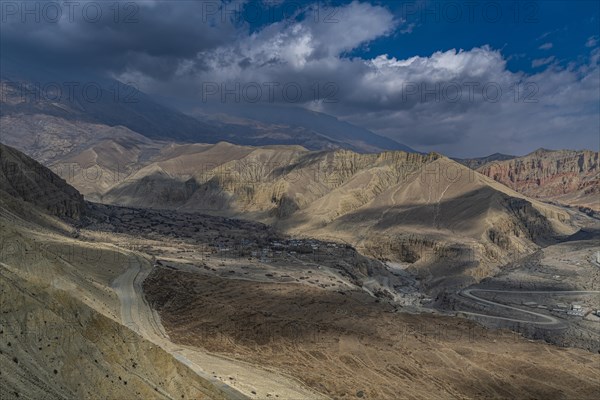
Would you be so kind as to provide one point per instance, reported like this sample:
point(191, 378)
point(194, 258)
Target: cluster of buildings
point(576, 310)
point(275, 249)
point(573, 309)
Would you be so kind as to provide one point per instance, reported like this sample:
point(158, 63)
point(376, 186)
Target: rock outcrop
point(564, 176)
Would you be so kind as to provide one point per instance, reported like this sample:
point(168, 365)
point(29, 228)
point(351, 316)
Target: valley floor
point(349, 345)
point(334, 337)
point(290, 325)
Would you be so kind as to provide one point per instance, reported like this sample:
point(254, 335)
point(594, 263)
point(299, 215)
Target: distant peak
point(541, 150)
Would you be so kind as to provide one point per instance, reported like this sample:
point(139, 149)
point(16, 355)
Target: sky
point(463, 78)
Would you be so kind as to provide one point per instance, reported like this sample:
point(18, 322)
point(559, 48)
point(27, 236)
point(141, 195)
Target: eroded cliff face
point(24, 178)
point(272, 183)
point(285, 185)
point(568, 177)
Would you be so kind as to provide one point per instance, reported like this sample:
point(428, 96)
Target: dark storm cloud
point(152, 37)
point(458, 102)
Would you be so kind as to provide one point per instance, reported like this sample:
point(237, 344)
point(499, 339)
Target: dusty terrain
point(165, 304)
point(394, 206)
point(62, 334)
point(339, 339)
point(552, 295)
point(54, 346)
point(81, 301)
point(349, 346)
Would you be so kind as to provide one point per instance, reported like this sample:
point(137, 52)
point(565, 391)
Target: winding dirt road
point(139, 317)
point(137, 314)
point(548, 321)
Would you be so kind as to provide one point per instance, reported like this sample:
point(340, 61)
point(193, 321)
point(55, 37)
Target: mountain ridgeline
point(36, 103)
point(412, 208)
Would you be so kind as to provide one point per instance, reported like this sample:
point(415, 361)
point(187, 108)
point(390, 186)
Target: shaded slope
point(30, 94)
point(108, 102)
point(350, 346)
point(314, 130)
point(26, 180)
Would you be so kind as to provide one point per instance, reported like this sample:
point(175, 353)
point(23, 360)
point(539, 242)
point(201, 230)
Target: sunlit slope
point(408, 203)
point(54, 346)
point(60, 330)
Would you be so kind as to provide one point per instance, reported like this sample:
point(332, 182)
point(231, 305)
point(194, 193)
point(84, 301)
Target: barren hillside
point(68, 291)
point(563, 176)
point(60, 329)
point(350, 346)
point(424, 210)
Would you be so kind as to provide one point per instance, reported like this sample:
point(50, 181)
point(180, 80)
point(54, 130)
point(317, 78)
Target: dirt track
point(548, 320)
point(138, 316)
point(346, 345)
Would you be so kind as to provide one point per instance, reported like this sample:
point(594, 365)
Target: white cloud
point(414, 100)
point(592, 41)
point(540, 62)
point(546, 46)
point(556, 108)
point(319, 36)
